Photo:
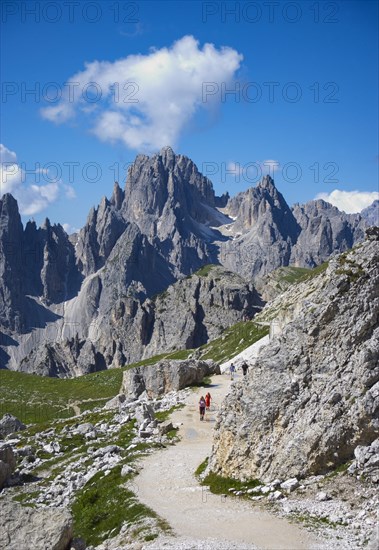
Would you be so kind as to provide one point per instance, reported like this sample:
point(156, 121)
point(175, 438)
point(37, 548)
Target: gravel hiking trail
point(200, 519)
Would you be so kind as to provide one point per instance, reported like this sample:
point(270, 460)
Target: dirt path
point(167, 484)
point(75, 406)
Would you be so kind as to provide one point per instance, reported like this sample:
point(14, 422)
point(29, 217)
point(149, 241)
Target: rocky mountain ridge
point(73, 304)
point(312, 397)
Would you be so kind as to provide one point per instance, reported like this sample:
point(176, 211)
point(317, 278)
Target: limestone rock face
point(166, 376)
point(204, 305)
point(33, 263)
point(371, 214)
point(43, 528)
point(126, 330)
point(324, 231)
point(12, 302)
point(313, 395)
point(97, 238)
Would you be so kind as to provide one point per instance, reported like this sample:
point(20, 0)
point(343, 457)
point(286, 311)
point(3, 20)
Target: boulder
point(7, 464)
point(53, 447)
point(126, 470)
point(322, 496)
point(366, 461)
point(166, 376)
point(10, 424)
point(84, 428)
point(42, 528)
point(165, 428)
point(28, 450)
point(290, 485)
point(115, 402)
point(78, 544)
point(144, 414)
point(276, 495)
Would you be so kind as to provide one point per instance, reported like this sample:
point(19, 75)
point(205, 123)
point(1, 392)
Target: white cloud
point(6, 155)
point(31, 198)
point(145, 101)
point(69, 192)
point(35, 198)
point(349, 201)
point(10, 172)
point(58, 114)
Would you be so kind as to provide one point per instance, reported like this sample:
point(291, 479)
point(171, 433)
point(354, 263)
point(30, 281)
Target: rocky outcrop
point(126, 330)
point(325, 230)
point(39, 529)
point(166, 376)
point(366, 462)
point(205, 304)
point(278, 281)
point(85, 449)
point(371, 214)
point(96, 240)
point(7, 463)
point(9, 424)
point(313, 395)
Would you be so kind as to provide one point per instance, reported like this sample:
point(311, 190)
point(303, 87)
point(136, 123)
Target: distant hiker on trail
point(232, 370)
point(208, 401)
point(202, 407)
point(245, 368)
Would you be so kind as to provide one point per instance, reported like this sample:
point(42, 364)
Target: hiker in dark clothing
point(232, 371)
point(202, 407)
point(245, 368)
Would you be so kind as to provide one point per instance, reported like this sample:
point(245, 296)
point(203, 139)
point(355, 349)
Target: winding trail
point(167, 485)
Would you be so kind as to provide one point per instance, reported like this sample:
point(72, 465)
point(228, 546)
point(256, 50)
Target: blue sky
point(305, 103)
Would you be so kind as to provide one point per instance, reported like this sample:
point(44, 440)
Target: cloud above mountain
point(349, 201)
point(32, 198)
point(146, 101)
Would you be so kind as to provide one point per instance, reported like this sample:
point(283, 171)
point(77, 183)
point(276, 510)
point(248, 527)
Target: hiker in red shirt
point(208, 401)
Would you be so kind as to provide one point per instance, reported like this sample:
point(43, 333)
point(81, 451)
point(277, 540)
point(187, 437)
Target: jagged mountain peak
point(257, 202)
point(267, 183)
point(8, 205)
point(371, 213)
point(167, 155)
point(46, 224)
point(118, 196)
point(316, 205)
point(165, 187)
point(169, 171)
